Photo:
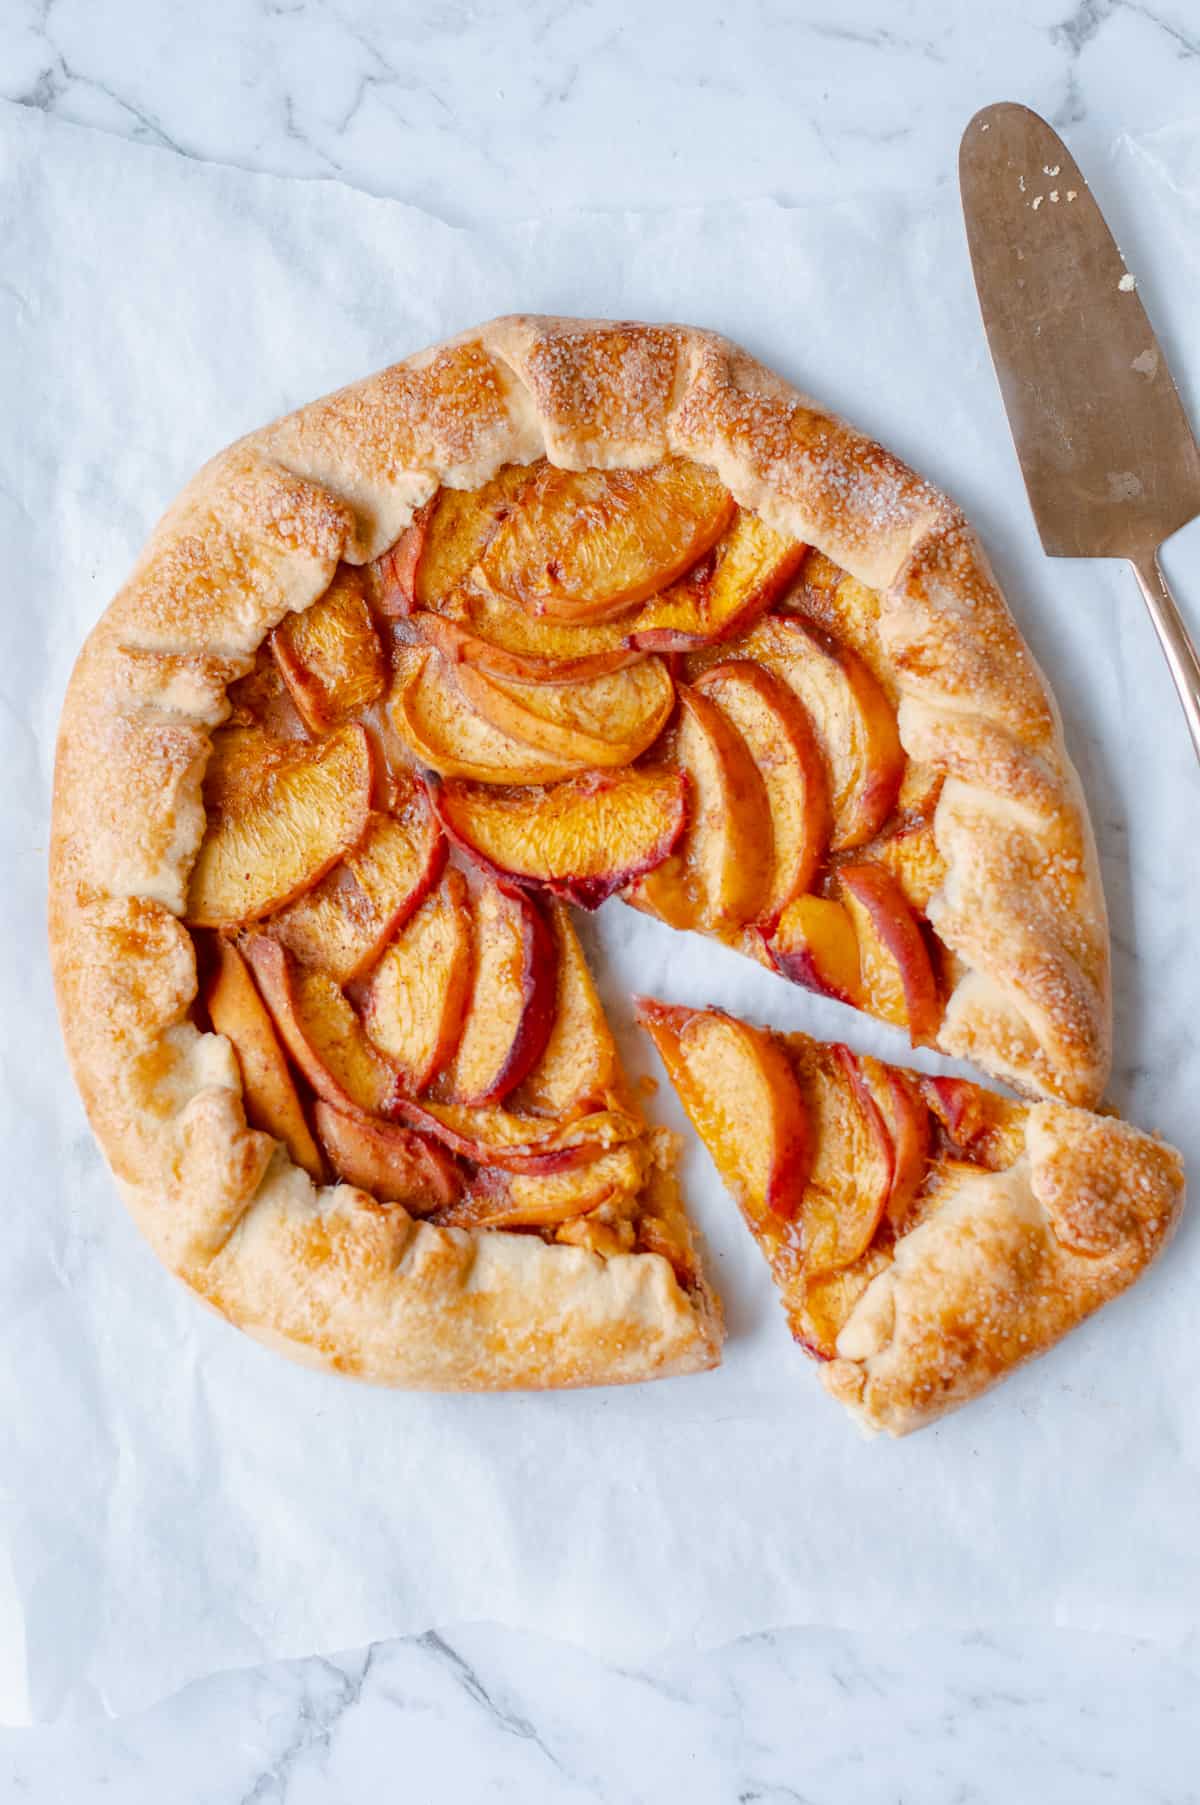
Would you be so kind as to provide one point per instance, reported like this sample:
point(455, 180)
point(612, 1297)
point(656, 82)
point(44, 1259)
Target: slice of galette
point(926, 1236)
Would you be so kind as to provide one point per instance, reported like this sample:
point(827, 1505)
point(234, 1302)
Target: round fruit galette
point(555, 612)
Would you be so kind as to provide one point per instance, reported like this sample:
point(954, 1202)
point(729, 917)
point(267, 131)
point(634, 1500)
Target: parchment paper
point(173, 1499)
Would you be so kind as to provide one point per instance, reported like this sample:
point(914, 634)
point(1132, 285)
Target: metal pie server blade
point(1109, 460)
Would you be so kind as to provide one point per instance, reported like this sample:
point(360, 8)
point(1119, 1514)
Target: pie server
point(1108, 457)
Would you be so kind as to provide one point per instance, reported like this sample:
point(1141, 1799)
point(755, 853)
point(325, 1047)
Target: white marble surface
point(495, 109)
point(797, 1717)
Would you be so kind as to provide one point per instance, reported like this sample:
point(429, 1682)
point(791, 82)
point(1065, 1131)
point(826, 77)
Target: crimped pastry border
point(258, 533)
point(1006, 1269)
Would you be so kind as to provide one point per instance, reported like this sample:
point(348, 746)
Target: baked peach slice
point(721, 873)
point(842, 607)
point(583, 840)
point(343, 923)
point(579, 1069)
point(435, 555)
point(396, 1165)
point(853, 720)
point(272, 1103)
point(589, 544)
point(898, 982)
point(829, 1299)
point(596, 1234)
point(321, 1031)
point(814, 944)
point(850, 1180)
point(720, 596)
point(533, 1200)
point(988, 1128)
point(436, 721)
point(391, 576)
point(899, 1099)
point(737, 1086)
point(330, 656)
point(280, 814)
point(776, 730)
point(511, 1011)
point(913, 858)
point(262, 699)
point(495, 1136)
point(920, 788)
point(419, 991)
point(594, 721)
point(478, 628)
point(661, 1226)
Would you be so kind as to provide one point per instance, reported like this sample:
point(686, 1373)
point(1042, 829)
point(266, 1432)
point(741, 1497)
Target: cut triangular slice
point(927, 1235)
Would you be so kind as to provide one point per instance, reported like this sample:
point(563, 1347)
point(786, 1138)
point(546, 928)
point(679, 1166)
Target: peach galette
point(555, 612)
point(926, 1236)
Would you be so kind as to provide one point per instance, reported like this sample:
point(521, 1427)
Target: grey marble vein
point(311, 1736)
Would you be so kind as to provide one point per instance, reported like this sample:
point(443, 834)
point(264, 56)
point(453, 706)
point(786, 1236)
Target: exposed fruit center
point(561, 685)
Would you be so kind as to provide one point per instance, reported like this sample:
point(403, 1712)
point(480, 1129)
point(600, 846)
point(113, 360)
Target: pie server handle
point(1173, 637)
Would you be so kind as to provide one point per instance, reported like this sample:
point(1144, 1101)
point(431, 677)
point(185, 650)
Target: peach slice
point(419, 991)
point(815, 944)
point(583, 840)
point(819, 580)
point(591, 721)
point(721, 873)
point(396, 1165)
point(737, 1086)
point(530, 1200)
point(588, 544)
point(280, 815)
point(437, 553)
point(778, 733)
point(479, 628)
point(945, 1181)
point(829, 1301)
point(579, 1069)
point(343, 923)
point(391, 576)
point(662, 1226)
point(321, 1031)
point(238, 1012)
point(746, 569)
point(851, 1177)
point(511, 1010)
point(597, 1236)
point(330, 656)
point(988, 1128)
point(854, 722)
point(495, 1136)
point(432, 715)
point(920, 788)
point(898, 983)
point(262, 699)
point(898, 1096)
point(914, 861)
point(843, 608)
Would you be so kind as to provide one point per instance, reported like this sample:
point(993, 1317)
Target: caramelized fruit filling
point(570, 685)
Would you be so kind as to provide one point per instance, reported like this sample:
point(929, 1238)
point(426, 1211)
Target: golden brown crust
point(1006, 1267)
point(337, 1280)
point(259, 532)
